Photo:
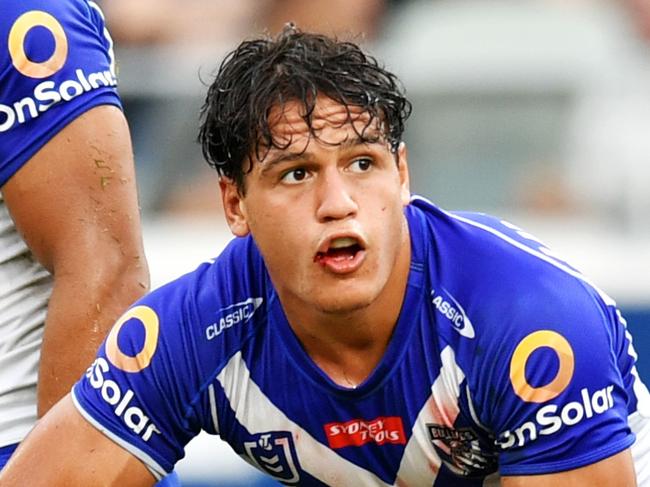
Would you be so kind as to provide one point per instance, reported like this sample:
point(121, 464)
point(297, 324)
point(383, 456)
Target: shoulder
point(57, 63)
point(537, 341)
point(214, 309)
point(497, 292)
point(161, 356)
point(495, 261)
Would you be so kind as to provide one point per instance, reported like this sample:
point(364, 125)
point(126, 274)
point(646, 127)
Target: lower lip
point(342, 265)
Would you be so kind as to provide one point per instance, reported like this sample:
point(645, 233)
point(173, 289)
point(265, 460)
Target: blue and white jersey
point(504, 360)
point(56, 62)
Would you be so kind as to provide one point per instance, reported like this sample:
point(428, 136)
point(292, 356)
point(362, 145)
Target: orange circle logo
point(142, 359)
point(564, 352)
point(19, 31)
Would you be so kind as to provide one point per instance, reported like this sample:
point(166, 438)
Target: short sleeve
point(140, 388)
point(56, 62)
point(556, 398)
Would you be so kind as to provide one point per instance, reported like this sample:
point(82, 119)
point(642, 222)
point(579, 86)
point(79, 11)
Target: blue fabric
point(503, 358)
point(5, 454)
point(38, 98)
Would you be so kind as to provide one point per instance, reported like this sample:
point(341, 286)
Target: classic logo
point(134, 363)
point(240, 312)
point(110, 392)
point(358, 432)
point(454, 312)
point(461, 451)
point(525, 348)
point(274, 453)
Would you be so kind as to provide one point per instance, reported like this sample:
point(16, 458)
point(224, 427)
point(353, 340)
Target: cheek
point(280, 235)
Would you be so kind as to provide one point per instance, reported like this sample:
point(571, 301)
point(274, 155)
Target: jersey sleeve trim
point(154, 467)
point(577, 462)
point(104, 97)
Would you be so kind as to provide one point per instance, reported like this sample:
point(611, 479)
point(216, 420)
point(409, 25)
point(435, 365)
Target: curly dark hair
point(262, 73)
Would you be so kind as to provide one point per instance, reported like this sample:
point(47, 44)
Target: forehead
point(288, 120)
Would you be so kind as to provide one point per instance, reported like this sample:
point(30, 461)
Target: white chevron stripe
point(213, 408)
point(258, 414)
point(441, 408)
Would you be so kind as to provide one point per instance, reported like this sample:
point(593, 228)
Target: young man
point(351, 334)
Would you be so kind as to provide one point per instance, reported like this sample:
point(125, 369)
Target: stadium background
point(534, 110)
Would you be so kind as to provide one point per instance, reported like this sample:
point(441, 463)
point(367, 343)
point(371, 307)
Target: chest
point(415, 427)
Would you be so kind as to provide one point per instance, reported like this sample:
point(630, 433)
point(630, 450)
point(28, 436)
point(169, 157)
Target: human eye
point(362, 164)
point(295, 176)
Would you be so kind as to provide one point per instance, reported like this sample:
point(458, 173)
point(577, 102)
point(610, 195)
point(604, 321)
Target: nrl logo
point(274, 453)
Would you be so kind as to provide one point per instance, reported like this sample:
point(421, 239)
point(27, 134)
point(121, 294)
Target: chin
point(344, 302)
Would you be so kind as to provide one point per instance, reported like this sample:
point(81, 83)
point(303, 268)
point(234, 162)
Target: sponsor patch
point(142, 359)
point(551, 418)
point(358, 432)
point(46, 93)
point(120, 400)
point(525, 348)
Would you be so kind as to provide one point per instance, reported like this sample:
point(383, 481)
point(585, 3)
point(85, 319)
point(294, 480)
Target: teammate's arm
point(64, 449)
point(75, 204)
point(616, 470)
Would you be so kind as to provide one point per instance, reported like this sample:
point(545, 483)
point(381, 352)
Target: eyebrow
point(296, 156)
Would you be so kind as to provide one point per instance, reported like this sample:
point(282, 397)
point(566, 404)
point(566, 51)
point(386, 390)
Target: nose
point(335, 199)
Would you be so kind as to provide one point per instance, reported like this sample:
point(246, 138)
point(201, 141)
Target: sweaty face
point(327, 211)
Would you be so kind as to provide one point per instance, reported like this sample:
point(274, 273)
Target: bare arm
point(75, 205)
point(617, 470)
point(64, 449)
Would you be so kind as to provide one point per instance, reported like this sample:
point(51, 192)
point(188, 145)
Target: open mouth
point(341, 254)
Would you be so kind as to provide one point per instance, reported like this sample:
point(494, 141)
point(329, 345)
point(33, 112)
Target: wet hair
point(295, 66)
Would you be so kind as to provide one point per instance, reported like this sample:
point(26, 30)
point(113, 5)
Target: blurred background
point(534, 110)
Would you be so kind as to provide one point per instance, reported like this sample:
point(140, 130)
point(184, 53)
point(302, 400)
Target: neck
point(348, 345)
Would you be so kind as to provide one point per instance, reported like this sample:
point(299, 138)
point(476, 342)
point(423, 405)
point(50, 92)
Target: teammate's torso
point(24, 292)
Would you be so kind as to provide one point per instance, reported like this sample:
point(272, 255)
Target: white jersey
point(56, 62)
point(25, 288)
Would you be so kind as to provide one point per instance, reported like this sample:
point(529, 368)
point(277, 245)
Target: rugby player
point(351, 334)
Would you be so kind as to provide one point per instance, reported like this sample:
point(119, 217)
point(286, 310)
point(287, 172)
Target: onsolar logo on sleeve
point(532, 342)
point(142, 359)
point(17, 35)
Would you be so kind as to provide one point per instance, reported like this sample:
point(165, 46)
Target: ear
point(403, 168)
point(234, 208)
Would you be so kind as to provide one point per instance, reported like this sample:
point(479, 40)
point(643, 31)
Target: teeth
point(339, 243)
